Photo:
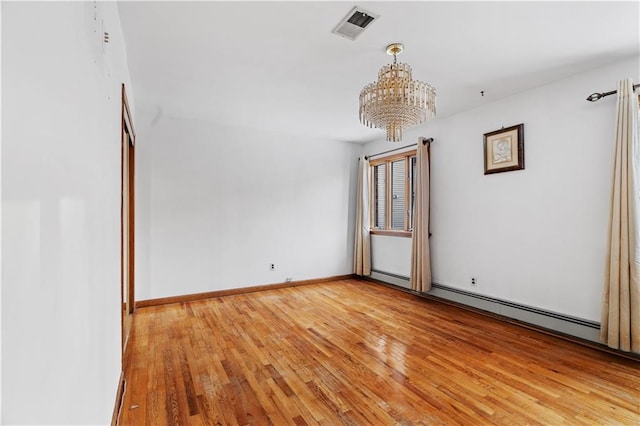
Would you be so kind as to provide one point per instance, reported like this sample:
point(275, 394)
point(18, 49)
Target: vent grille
point(360, 19)
point(352, 25)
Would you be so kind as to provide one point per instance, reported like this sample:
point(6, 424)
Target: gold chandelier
point(396, 101)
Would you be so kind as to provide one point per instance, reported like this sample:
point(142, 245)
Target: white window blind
point(413, 191)
point(380, 174)
point(398, 194)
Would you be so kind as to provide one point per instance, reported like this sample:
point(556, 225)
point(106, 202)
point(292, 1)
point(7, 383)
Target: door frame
point(127, 143)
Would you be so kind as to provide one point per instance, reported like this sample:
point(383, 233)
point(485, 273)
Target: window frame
point(388, 160)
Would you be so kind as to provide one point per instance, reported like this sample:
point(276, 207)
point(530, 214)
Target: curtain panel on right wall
point(620, 327)
point(420, 250)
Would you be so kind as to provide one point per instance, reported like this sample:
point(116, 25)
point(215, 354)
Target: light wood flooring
point(356, 353)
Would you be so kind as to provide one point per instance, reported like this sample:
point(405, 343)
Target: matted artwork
point(504, 150)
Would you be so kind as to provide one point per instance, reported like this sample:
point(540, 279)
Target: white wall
point(218, 204)
point(535, 236)
point(60, 212)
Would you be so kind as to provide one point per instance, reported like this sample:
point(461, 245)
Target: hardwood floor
point(356, 353)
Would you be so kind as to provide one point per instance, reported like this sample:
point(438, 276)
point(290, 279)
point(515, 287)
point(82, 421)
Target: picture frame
point(504, 150)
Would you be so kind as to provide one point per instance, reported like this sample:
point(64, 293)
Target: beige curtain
point(362, 248)
point(620, 327)
point(420, 254)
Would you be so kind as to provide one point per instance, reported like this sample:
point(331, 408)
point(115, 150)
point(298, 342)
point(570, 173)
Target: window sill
point(390, 233)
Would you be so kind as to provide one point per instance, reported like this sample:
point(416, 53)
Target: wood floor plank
point(351, 352)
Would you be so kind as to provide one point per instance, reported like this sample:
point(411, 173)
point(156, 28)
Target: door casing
point(127, 224)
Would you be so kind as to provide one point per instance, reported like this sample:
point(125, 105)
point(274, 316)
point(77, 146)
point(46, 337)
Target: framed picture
point(504, 150)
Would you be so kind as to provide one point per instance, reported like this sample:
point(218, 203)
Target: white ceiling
point(277, 66)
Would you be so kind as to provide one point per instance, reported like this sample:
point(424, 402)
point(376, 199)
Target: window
point(393, 195)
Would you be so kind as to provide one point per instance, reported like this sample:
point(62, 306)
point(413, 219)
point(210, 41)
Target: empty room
point(306, 212)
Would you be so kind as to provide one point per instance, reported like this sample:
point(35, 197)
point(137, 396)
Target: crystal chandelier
point(396, 101)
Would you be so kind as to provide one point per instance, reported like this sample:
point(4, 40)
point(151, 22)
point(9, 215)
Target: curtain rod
point(424, 141)
point(597, 96)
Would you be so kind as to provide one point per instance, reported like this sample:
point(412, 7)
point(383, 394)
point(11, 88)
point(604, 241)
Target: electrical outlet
point(288, 279)
point(272, 266)
point(474, 281)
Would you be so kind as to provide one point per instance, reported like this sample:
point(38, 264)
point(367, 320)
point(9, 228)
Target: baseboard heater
point(584, 329)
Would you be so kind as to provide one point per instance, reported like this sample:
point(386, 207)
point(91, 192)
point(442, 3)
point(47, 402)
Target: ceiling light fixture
point(396, 101)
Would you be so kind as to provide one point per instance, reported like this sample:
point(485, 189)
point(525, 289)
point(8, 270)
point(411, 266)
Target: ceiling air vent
point(352, 25)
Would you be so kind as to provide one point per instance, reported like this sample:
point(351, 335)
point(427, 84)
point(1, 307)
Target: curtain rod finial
point(426, 140)
point(594, 97)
